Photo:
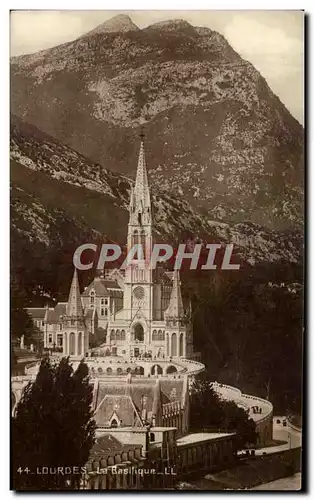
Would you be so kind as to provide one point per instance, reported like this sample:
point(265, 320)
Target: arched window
point(181, 345)
point(135, 240)
point(161, 335)
point(143, 238)
point(138, 332)
point(152, 437)
point(114, 423)
point(122, 334)
point(92, 298)
point(72, 343)
point(154, 336)
point(79, 343)
point(173, 345)
point(112, 335)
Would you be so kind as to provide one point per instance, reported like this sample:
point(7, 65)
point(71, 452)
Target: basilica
point(137, 312)
point(134, 332)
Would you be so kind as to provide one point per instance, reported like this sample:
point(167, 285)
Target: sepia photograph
point(156, 250)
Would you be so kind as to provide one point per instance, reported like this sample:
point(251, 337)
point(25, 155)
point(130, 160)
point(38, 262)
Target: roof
point(54, 314)
point(74, 305)
point(106, 446)
point(135, 390)
point(103, 288)
point(121, 407)
point(36, 312)
point(152, 391)
point(89, 313)
point(203, 436)
point(171, 389)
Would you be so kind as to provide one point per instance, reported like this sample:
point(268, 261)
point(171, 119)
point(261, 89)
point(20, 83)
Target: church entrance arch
point(138, 332)
point(139, 370)
point(156, 370)
point(171, 369)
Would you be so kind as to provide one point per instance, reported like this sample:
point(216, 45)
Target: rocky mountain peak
point(120, 23)
point(241, 161)
point(173, 25)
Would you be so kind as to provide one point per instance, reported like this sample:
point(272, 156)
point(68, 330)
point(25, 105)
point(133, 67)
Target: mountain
point(118, 24)
point(60, 199)
point(216, 135)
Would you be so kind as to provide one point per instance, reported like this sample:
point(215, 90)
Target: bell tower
point(75, 332)
point(138, 275)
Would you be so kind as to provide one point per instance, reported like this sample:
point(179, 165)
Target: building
point(136, 312)
point(141, 369)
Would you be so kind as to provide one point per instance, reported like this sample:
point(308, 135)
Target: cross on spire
point(141, 134)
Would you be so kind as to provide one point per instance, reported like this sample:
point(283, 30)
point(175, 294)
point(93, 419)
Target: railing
point(294, 427)
point(23, 378)
point(252, 399)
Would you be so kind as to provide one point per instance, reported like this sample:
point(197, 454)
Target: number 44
point(21, 470)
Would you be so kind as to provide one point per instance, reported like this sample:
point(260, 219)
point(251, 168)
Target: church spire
point(175, 308)
point(141, 191)
point(74, 305)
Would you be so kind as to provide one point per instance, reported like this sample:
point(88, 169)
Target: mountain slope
point(216, 134)
point(54, 187)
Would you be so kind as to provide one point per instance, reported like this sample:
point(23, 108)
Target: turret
point(75, 332)
point(74, 306)
point(175, 309)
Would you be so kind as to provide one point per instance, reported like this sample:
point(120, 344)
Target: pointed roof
point(175, 308)
point(74, 305)
point(120, 406)
point(141, 190)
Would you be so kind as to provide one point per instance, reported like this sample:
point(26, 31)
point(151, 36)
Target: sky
point(271, 40)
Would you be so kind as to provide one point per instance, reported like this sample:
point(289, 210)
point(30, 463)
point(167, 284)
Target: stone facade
point(134, 312)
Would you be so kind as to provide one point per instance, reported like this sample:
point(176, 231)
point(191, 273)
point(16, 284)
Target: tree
point(209, 412)
point(21, 322)
point(248, 327)
point(53, 427)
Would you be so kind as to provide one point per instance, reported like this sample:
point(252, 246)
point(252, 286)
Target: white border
point(307, 5)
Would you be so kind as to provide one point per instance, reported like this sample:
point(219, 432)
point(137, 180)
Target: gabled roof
point(54, 315)
point(103, 288)
point(171, 389)
point(36, 312)
point(136, 390)
point(122, 406)
point(106, 446)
